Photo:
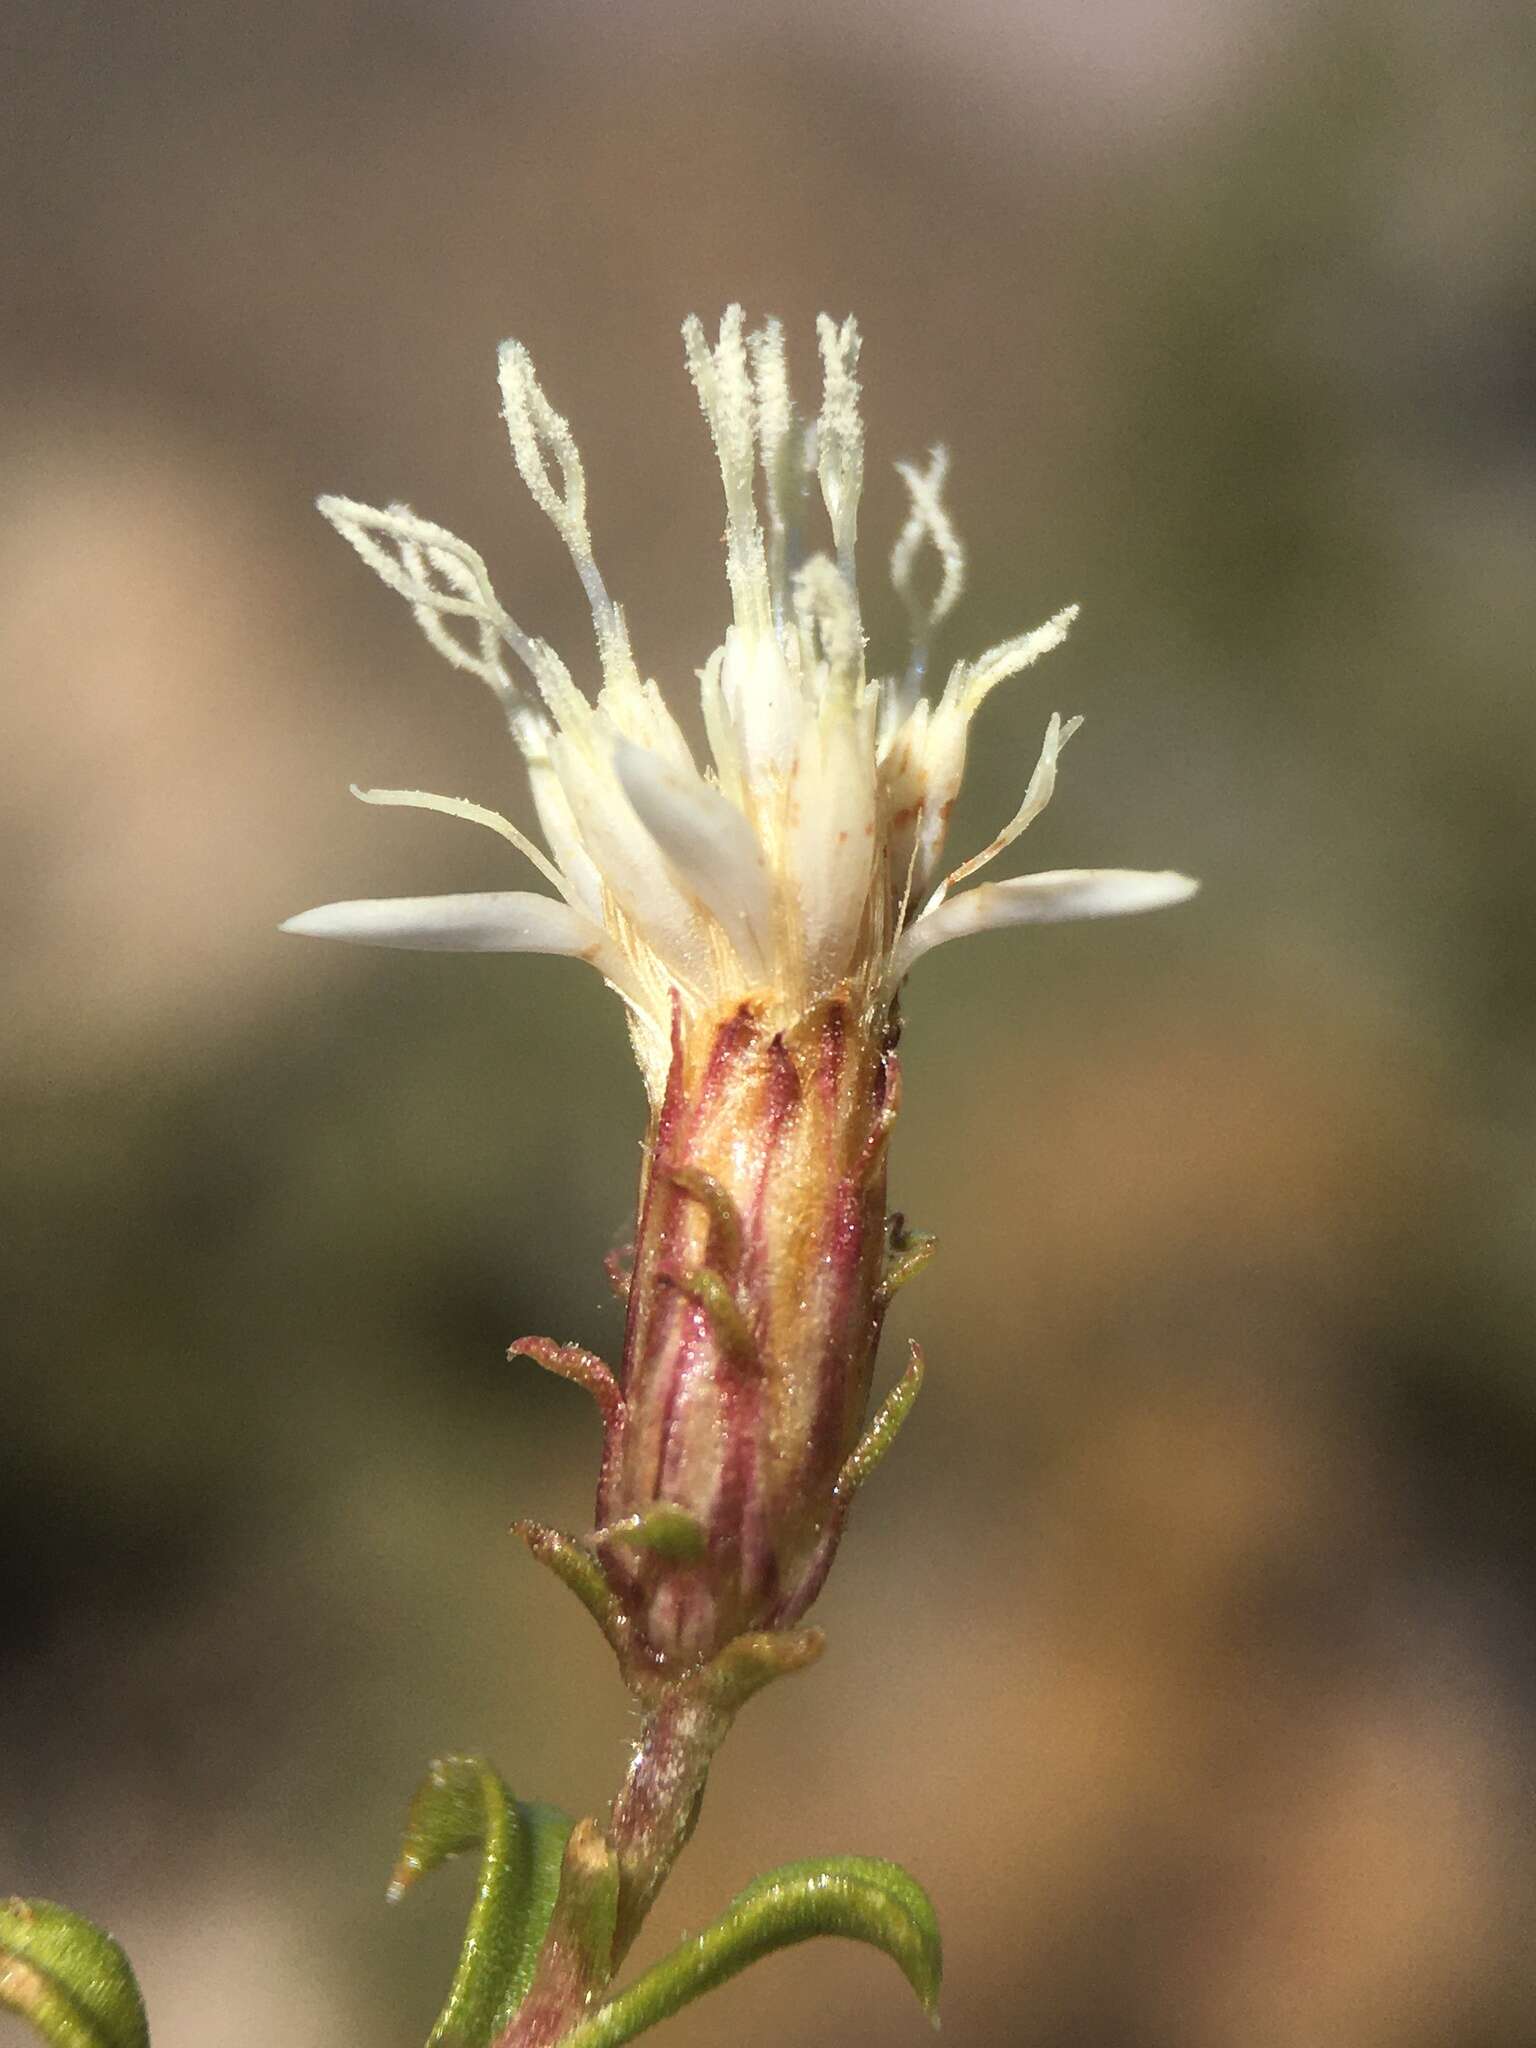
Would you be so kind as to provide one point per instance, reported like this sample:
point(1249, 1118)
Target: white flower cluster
point(805, 859)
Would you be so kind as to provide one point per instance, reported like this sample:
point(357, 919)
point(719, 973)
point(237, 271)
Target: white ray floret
point(1053, 898)
point(496, 921)
point(804, 861)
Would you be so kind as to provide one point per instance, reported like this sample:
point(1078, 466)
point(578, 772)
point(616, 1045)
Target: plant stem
point(658, 1804)
point(651, 1820)
point(610, 1877)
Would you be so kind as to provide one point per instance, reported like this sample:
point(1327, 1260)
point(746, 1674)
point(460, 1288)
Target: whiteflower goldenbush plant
point(757, 915)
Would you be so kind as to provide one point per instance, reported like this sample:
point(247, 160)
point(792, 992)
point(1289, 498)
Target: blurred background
point(1184, 1647)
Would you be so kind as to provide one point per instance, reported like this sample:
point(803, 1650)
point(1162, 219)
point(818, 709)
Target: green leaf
point(69, 1979)
point(849, 1895)
point(462, 1805)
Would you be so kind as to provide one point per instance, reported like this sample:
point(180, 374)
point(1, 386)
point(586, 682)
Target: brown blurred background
point(1184, 1647)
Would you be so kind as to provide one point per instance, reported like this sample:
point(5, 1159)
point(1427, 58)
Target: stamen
point(534, 428)
point(781, 443)
point(724, 384)
point(423, 564)
point(827, 611)
point(840, 436)
point(470, 595)
point(927, 525)
point(974, 681)
point(474, 814)
point(417, 551)
point(532, 425)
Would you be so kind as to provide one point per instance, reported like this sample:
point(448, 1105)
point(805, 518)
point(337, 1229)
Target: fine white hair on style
point(804, 858)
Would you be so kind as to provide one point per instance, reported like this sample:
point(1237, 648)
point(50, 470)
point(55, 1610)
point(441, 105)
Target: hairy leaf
point(849, 1895)
point(69, 1979)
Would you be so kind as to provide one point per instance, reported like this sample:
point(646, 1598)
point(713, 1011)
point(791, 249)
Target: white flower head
point(804, 859)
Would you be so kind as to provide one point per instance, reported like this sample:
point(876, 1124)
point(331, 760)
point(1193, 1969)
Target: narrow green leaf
point(576, 1960)
point(545, 1829)
point(463, 1805)
point(69, 1979)
point(849, 1895)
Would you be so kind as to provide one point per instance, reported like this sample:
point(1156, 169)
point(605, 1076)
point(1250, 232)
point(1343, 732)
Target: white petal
point(937, 768)
point(498, 921)
point(829, 849)
point(707, 843)
point(763, 705)
point(557, 821)
point(1051, 898)
point(726, 755)
point(642, 714)
point(628, 860)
